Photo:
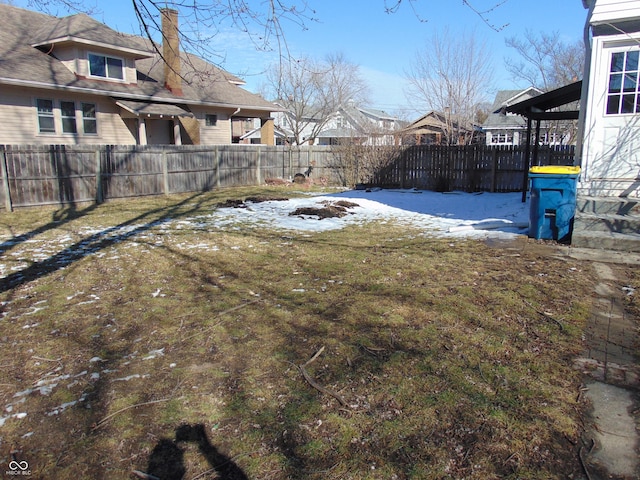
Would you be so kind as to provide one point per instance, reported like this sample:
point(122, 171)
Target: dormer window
point(106, 67)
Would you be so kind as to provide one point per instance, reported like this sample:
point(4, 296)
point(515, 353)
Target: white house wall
point(607, 11)
point(611, 148)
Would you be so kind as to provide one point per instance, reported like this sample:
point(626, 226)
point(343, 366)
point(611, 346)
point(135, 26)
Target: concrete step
point(607, 205)
point(629, 242)
point(607, 223)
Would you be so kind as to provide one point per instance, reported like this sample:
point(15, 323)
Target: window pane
point(613, 104)
point(114, 68)
point(69, 125)
point(67, 109)
point(45, 106)
point(88, 110)
point(628, 103)
point(97, 66)
point(630, 82)
point(615, 83)
point(90, 126)
point(632, 60)
point(617, 62)
point(46, 124)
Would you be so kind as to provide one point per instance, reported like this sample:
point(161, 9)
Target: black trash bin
point(553, 202)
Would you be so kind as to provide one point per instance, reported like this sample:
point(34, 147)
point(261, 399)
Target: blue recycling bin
point(553, 202)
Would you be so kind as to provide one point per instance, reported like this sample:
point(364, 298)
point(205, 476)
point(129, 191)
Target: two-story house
point(364, 126)
point(73, 80)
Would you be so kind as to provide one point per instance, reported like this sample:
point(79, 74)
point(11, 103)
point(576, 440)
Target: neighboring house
point(610, 153)
point(363, 126)
point(298, 123)
point(434, 128)
point(503, 128)
point(348, 124)
point(73, 80)
point(254, 135)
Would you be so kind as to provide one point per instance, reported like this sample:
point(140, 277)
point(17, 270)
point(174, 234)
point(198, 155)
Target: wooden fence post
point(99, 193)
point(165, 171)
point(258, 163)
point(216, 159)
point(494, 169)
point(5, 181)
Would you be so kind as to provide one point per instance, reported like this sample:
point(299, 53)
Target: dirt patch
point(329, 210)
point(236, 203)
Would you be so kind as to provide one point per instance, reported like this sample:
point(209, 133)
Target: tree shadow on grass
point(167, 458)
point(94, 243)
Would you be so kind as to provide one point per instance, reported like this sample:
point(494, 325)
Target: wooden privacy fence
point(68, 174)
point(469, 168)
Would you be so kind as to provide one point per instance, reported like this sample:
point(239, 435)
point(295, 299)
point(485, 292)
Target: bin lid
point(555, 170)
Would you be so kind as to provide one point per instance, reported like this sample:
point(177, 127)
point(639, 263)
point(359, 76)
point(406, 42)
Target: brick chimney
point(171, 50)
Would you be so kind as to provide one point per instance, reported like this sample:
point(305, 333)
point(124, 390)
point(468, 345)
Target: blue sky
point(383, 45)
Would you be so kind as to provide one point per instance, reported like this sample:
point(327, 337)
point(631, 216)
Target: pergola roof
point(538, 108)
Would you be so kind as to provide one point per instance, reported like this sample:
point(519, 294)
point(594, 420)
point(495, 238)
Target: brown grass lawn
point(373, 352)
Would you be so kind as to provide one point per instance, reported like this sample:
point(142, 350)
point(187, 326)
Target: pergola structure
point(544, 107)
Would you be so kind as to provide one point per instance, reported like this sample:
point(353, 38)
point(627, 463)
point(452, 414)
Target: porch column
point(266, 131)
point(177, 137)
point(142, 131)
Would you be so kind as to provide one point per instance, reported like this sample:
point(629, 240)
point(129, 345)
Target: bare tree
point(451, 75)
point(311, 91)
point(202, 20)
point(262, 21)
point(545, 61)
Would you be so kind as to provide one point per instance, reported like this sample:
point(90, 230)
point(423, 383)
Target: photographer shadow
point(166, 461)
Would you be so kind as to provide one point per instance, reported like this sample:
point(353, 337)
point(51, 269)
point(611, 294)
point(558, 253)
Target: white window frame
point(51, 115)
point(71, 119)
point(58, 119)
point(85, 119)
point(626, 77)
point(211, 120)
point(106, 76)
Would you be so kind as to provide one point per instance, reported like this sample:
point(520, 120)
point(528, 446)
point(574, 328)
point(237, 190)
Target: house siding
point(18, 111)
point(220, 134)
point(606, 11)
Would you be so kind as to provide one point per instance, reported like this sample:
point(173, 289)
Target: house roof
point(81, 28)
point(432, 122)
point(340, 133)
point(153, 109)
point(21, 63)
point(497, 120)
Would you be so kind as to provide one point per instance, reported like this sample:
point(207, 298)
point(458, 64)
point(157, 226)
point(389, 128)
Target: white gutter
point(585, 81)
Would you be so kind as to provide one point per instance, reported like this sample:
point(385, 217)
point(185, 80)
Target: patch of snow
point(154, 353)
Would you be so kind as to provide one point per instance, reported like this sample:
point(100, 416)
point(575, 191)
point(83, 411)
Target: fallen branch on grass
point(582, 455)
point(102, 422)
point(315, 384)
point(145, 476)
point(224, 312)
point(548, 316)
